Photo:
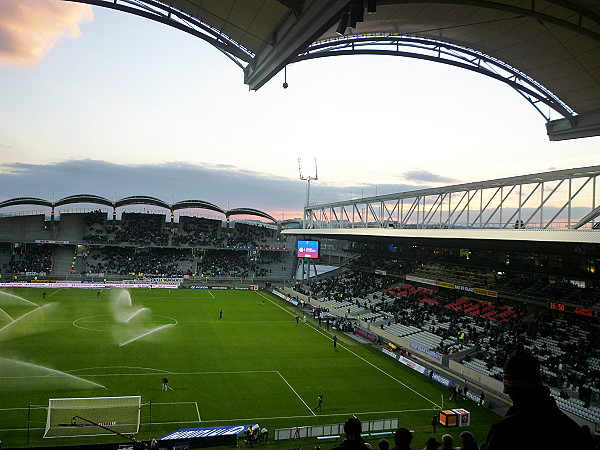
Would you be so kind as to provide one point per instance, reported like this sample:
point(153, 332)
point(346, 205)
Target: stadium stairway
point(62, 259)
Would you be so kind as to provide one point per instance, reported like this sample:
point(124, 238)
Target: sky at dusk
point(101, 102)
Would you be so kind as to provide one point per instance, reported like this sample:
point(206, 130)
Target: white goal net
point(87, 416)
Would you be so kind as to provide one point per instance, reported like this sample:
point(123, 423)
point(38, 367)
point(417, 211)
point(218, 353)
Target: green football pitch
point(253, 365)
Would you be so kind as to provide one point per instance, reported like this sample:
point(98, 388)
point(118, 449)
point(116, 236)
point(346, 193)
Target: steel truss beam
point(445, 53)
point(161, 11)
point(560, 199)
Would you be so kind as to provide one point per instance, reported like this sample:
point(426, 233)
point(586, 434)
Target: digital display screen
point(574, 309)
point(308, 249)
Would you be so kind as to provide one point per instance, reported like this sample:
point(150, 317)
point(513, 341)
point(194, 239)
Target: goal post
point(92, 416)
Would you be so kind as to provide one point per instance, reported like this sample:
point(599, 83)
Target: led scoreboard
point(308, 249)
point(574, 309)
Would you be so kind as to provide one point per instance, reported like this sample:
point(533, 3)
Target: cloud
point(424, 176)
point(30, 28)
point(228, 187)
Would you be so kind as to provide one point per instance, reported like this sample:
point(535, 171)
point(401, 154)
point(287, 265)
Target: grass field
point(255, 365)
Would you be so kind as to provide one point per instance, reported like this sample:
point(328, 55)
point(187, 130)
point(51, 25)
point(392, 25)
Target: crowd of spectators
point(198, 232)
point(171, 262)
point(528, 287)
point(347, 286)
point(145, 229)
point(246, 235)
point(29, 259)
point(563, 343)
point(482, 329)
point(95, 224)
point(216, 264)
point(129, 261)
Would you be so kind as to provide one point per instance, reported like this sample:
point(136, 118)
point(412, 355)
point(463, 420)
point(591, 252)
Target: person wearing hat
point(533, 412)
point(432, 444)
point(353, 439)
point(402, 439)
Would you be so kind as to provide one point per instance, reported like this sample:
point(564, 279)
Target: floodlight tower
point(307, 173)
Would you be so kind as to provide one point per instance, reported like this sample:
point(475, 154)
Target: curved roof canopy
point(249, 212)
point(552, 44)
point(134, 200)
point(141, 200)
point(185, 204)
point(84, 198)
point(25, 201)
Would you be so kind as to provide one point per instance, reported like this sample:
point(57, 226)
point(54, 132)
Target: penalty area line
point(353, 353)
point(344, 414)
point(297, 395)
point(198, 412)
point(379, 369)
point(165, 373)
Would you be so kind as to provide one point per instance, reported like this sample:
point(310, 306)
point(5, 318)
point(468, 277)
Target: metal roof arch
point(445, 53)
point(199, 204)
point(250, 212)
point(555, 42)
point(141, 200)
point(84, 198)
point(25, 201)
point(179, 18)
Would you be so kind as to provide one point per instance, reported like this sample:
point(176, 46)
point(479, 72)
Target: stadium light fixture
point(308, 172)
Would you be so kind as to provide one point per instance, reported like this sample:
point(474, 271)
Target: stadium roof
point(567, 241)
point(135, 200)
point(549, 50)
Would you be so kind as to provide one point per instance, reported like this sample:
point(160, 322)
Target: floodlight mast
point(308, 178)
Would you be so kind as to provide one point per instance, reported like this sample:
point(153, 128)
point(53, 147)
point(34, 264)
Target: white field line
point(179, 403)
point(345, 414)
point(198, 411)
point(59, 289)
point(256, 419)
point(115, 367)
point(294, 391)
point(358, 356)
point(173, 403)
point(211, 294)
point(19, 409)
point(164, 372)
point(162, 327)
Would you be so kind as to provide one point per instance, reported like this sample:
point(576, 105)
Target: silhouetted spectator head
point(432, 444)
point(468, 441)
point(352, 428)
point(447, 442)
point(402, 438)
point(383, 444)
point(522, 373)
